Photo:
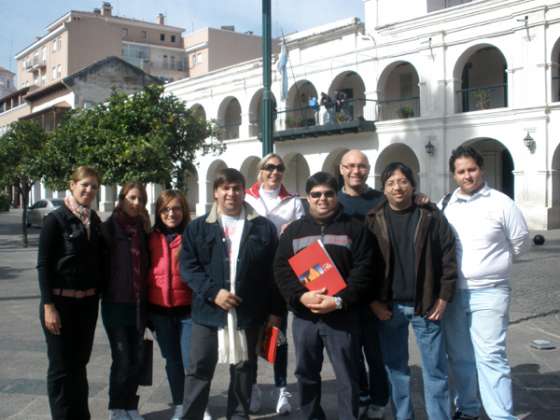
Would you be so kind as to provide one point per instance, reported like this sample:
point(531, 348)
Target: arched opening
point(229, 118)
point(213, 169)
point(498, 164)
point(297, 172)
point(332, 164)
point(255, 109)
point(483, 77)
point(298, 111)
point(555, 167)
point(397, 152)
point(198, 112)
point(190, 187)
point(555, 72)
point(249, 170)
point(352, 88)
point(399, 93)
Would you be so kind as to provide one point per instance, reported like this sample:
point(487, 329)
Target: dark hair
point(321, 178)
point(163, 200)
point(228, 175)
point(397, 166)
point(130, 186)
point(465, 152)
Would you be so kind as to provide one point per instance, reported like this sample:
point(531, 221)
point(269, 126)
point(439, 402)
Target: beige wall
point(152, 35)
point(227, 48)
point(13, 114)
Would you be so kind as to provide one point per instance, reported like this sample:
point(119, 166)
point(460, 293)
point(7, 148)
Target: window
point(193, 60)
point(54, 45)
point(162, 37)
point(165, 62)
point(199, 58)
point(144, 35)
point(59, 43)
point(44, 79)
point(173, 38)
point(53, 72)
point(124, 32)
point(59, 71)
point(172, 63)
point(44, 54)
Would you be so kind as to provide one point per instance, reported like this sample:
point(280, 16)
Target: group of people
point(209, 287)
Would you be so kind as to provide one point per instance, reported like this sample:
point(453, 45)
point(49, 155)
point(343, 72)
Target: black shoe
point(460, 416)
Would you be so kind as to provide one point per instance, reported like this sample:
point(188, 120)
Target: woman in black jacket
point(123, 308)
point(69, 277)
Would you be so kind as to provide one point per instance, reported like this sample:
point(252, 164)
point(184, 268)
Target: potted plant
point(481, 99)
point(406, 111)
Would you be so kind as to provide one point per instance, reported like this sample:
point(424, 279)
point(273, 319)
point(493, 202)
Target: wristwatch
point(338, 302)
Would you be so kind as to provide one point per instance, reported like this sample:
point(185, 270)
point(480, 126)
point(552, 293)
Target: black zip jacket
point(67, 259)
point(351, 248)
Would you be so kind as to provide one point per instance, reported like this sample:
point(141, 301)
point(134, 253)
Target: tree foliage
point(22, 157)
point(148, 137)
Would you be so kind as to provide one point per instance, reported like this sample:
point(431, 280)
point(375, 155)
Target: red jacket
point(165, 287)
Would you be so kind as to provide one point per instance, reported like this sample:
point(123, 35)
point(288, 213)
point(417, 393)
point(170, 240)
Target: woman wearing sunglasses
point(269, 197)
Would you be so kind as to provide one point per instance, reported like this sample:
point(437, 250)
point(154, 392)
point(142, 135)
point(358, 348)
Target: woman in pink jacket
point(169, 297)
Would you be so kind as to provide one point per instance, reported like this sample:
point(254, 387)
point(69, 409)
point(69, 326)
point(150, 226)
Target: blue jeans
point(173, 334)
point(394, 346)
point(475, 328)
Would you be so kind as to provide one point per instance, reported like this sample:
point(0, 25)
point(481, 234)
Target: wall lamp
point(530, 142)
point(430, 148)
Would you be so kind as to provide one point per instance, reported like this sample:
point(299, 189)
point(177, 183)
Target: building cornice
point(146, 44)
point(40, 42)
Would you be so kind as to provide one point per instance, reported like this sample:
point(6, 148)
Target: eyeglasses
point(403, 183)
point(166, 210)
point(358, 166)
point(319, 194)
point(269, 167)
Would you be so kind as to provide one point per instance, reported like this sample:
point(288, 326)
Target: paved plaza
point(534, 313)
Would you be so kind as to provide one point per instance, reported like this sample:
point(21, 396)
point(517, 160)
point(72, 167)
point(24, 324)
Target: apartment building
point(81, 38)
point(7, 84)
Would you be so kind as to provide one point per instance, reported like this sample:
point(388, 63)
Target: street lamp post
point(266, 113)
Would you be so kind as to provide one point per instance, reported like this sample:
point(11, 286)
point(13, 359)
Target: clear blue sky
point(23, 20)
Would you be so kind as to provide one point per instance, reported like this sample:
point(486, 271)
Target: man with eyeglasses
point(418, 248)
point(323, 321)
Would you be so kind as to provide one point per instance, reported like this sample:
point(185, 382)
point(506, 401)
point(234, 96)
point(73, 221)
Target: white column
point(107, 201)
point(153, 191)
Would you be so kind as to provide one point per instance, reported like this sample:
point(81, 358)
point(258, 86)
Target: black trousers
point(126, 347)
point(202, 364)
point(69, 354)
point(343, 348)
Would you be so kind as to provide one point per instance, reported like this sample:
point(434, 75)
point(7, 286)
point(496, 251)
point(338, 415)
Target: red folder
point(315, 269)
point(269, 344)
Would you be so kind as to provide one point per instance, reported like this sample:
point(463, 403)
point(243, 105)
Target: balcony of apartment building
point(399, 93)
point(482, 72)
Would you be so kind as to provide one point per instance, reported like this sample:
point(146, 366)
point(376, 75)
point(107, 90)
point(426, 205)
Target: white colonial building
point(421, 77)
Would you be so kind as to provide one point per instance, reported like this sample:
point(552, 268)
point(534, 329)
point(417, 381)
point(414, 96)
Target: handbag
point(146, 363)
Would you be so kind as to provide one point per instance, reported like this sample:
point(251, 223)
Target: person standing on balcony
point(270, 198)
point(491, 231)
point(328, 103)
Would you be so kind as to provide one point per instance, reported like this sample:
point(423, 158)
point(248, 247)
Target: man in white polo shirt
point(490, 231)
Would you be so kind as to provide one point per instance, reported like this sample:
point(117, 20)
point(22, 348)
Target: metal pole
point(266, 109)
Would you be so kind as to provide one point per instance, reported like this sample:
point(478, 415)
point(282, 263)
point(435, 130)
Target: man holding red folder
point(322, 320)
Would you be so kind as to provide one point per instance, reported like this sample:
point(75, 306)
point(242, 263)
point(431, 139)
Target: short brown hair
point(163, 200)
point(228, 175)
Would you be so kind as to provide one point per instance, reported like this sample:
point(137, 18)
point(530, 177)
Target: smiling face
point(172, 213)
point(272, 173)
point(229, 197)
point(133, 203)
point(398, 190)
point(354, 168)
point(468, 175)
point(84, 190)
point(322, 201)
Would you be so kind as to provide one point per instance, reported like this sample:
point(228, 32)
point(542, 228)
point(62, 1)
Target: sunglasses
point(269, 167)
point(319, 194)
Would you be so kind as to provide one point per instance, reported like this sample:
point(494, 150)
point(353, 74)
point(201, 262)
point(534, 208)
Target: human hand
point(421, 199)
point(436, 313)
point(381, 310)
point(274, 321)
point(326, 305)
point(52, 319)
point(312, 297)
point(226, 300)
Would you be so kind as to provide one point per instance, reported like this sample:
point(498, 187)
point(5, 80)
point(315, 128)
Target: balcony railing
point(484, 97)
point(392, 109)
point(228, 131)
point(306, 116)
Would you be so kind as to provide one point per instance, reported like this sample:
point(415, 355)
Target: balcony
point(483, 97)
point(391, 109)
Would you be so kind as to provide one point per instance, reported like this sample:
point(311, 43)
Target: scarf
point(83, 213)
point(132, 226)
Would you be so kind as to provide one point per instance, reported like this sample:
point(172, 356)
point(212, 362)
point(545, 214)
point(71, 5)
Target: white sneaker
point(283, 405)
point(256, 397)
point(375, 412)
point(178, 412)
point(118, 414)
point(134, 415)
point(207, 415)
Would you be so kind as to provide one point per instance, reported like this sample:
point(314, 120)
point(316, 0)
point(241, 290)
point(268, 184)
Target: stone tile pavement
point(534, 314)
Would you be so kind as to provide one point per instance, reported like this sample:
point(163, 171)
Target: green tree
point(149, 137)
point(21, 154)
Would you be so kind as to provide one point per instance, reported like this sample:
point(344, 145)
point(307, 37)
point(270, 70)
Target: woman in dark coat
point(69, 279)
